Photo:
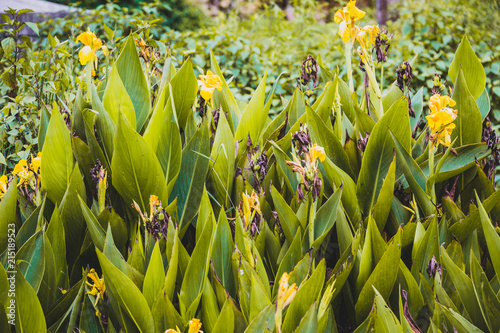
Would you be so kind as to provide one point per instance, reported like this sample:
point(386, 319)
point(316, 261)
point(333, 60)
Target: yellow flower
point(3, 185)
point(250, 202)
point(194, 326)
point(21, 170)
point(441, 120)
point(347, 18)
point(315, 152)
point(437, 102)
point(367, 35)
point(153, 203)
point(208, 83)
point(91, 45)
point(98, 287)
point(170, 330)
point(286, 293)
point(35, 162)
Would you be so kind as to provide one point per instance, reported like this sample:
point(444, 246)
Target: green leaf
point(196, 273)
point(382, 278)
point(116, 99)
point(225, 321)
point(222, 254)
point(135, 82)
point(221, 175)
point(383, 206)
point(491, 236)
point(225, 98)
point(418, 105)
point(379, 150)
point(33, 27)
point(191, 180)
point(253, 118)
point(309, 323)
point(96, 231)
point(155, 276)
point(290, 223)
point(137, 174)
point(31, 259)
point(469, 121)
point(264, 320)
point(466, 60)
point(29, 313)
point(209, 307)
point(459, 323)
point(464, 287)
point(325, 218)
point(129, 297)
point(57, 238)
point(483, 103)
point(337, 176)
point(306, 295)
point(425, 248)
point(184, 89)
point(57, 162)
point(289, 260)
point(8, 206)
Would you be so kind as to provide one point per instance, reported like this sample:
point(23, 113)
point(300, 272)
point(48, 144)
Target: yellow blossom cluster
point(194, 327)
point(349, 31)
point(91, 45)
point(441, 119)
point(250, 204)
point(28, 172)
point(98, 287)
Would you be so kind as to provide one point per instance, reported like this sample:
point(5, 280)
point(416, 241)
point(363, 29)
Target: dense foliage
point(148, 196)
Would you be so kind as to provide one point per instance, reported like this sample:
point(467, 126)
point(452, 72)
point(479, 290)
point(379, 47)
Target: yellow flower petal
point(85, 38)
point(85, 55)
point(344, 32)
point(194, 325)
point(353, 12)
point(317, 151)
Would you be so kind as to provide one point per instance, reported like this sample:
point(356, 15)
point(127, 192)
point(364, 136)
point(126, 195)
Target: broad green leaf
point(306, 295)
point(31, 259)
point(325, 218)
point(290, 223)
point(346, 100)
point(385, 320)
point(459, 323)
point(464, 287)
point(196, 273)
point(466, 60)
point(130, 299)
point(309, 323)
point(289, 260)
point(338, 177)
point(71, 214)
point(155, 276)
point(259, 298)
point(29, 313)
point(165, 315)
point(191, 180)
point(46, 294)
point(57, 238)
point(382, 278)
point(225, 321)
point(483, 103)
point(137, 174)
point(116, 99)
point(173, 267)
point(417, 102)
point(221, 175)
point(264, 320)
point(8, 206)
point(383, 205)
point(379, 150)
point(129, 67)
point(222, 254)
point(96, 231)
point(425, 248)
point(469, 121)
point(209, 307)
point(225, 98)
point(184, 88)
point(44, 125)
point(57, 162)
point(491, 236)
point(253, 118)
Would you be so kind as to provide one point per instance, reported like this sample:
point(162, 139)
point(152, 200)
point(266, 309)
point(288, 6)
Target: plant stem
point(432, 190)
point(348, 49)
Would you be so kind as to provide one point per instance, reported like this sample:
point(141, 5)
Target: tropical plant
point(160, 202)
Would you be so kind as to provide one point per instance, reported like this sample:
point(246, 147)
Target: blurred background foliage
point(248, 39)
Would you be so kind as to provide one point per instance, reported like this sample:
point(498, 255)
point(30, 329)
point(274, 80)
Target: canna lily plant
point(366, 210)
